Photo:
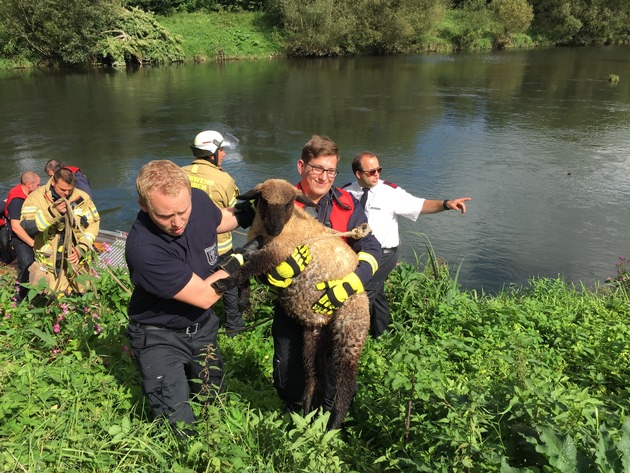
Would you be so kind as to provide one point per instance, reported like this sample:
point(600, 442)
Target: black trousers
point(289, 377)
point(25, 258)
point(375, 289)
point(7, 254)
point(170, 361)
point(233, 315)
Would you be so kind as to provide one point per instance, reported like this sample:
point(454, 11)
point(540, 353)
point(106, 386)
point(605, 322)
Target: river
point(540, 140)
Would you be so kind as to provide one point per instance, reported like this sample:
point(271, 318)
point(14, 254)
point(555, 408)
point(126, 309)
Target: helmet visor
point(229, 142)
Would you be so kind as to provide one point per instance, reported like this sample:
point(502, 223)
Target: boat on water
point(110, 246)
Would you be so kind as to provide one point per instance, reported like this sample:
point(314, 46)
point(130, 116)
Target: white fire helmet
point(208, 142)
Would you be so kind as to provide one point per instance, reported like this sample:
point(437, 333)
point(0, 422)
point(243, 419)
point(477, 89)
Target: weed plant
point(533, 379)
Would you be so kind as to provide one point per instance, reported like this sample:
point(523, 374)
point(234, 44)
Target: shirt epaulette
point(346, 185)
point(391, 184)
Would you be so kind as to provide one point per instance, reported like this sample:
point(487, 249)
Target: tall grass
point(529, 379)
point(224, 35)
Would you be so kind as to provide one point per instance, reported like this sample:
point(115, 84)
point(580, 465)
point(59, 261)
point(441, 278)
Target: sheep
point(283, 226)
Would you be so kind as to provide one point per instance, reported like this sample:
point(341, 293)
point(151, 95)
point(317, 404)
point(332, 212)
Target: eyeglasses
point(318, 171)
point(372, 172)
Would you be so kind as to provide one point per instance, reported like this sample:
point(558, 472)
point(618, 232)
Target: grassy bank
point(224, 35)
point(463, 382)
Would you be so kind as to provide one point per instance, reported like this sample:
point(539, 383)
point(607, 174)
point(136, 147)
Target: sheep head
point(274, 203)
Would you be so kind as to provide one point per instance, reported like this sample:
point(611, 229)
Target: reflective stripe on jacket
point(48, 241)
point(221, 188)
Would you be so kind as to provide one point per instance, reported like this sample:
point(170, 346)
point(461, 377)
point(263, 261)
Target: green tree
point(515, 15)
point(55, 31)
point(333, 27)
point(392, 26)
point(556, 19)
point(138, 38)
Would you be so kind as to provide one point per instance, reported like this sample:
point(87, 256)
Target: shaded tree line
point(81, 32)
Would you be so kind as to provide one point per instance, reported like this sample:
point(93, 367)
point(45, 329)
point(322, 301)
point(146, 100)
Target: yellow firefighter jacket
point(221, 188)
point(50, 225)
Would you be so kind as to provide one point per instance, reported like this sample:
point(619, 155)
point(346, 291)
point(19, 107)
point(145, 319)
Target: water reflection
point(538, 139)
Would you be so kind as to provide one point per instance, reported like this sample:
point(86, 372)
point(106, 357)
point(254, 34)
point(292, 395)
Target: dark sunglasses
point(372, 172)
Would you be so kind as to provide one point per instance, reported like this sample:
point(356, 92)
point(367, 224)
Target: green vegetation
point(112, 32)
point(529, 380)
point(224, 35)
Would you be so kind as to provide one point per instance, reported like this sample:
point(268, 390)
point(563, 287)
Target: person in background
point(80, 180)
point(173, 258)
point(64, 223)
point(383, 202)
point(205, 173)
point(336, 209)
point(7, 254)
point(20, 240)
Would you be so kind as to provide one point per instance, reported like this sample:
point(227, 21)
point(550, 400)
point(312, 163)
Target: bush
point(56, 31)
point(331, 27)
point(515, 15)
point(139, 38)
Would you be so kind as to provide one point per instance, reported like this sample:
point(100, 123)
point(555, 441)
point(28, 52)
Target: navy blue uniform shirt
point(368, 244)
point(161, 265)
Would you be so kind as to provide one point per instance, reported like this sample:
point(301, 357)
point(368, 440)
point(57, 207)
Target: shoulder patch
point(390, 184)
point(346, 185)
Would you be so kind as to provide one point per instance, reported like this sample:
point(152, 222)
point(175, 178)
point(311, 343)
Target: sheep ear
point(302, 199)
point(252, 194)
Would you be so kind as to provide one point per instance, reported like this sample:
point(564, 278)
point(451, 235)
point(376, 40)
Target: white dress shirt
point(385, 202)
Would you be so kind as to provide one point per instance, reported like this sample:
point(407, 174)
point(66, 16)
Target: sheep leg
point(349, 338)
point(312, 338)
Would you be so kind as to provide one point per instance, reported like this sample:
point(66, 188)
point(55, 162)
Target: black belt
point(390, 250)
point(190, 330)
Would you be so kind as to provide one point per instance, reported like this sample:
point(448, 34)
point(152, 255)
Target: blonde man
point(173, 258)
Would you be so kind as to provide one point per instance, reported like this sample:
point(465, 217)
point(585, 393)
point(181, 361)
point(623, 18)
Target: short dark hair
point(52, 165)
point(356, 162)
point(319, 146)
point(65, 175)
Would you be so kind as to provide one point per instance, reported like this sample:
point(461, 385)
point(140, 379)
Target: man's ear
point(143, 207)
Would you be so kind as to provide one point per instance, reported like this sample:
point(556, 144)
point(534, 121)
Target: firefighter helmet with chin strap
point(208, 143)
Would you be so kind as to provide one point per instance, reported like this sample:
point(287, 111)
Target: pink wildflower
point(95, 315)
point(86, 310)
point(7, 316)
point(97, 328)
point(56, 328)
point(64, 308)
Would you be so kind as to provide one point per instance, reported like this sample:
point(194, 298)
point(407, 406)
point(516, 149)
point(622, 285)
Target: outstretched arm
point(435, 206)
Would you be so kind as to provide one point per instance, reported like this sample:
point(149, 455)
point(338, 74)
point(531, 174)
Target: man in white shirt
point(383, 202)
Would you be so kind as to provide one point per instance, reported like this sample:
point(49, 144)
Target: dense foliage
point(138, 38)
point(82, 32)
point(54, 31)
point(529, 380)
point(333, 27)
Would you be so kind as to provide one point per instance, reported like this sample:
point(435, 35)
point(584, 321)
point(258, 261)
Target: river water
point(540, 140)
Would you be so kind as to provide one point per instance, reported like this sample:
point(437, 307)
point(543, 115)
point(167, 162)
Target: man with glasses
point(383, 202)
point(338, 210)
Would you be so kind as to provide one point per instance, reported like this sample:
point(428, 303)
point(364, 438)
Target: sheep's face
point(275, 201)
point(275, 216)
